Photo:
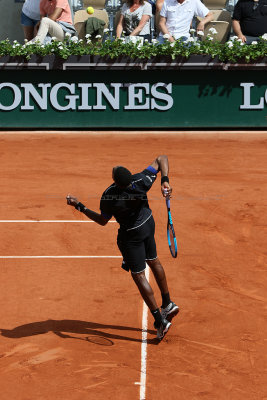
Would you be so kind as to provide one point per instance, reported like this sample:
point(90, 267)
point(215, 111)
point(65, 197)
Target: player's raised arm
point(96, 217)
point(161, 164)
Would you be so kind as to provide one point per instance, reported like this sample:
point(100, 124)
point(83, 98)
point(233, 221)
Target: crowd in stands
point(172, 19)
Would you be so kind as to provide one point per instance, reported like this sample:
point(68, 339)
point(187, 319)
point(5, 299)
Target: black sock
point(165, 299)
point(157, 316)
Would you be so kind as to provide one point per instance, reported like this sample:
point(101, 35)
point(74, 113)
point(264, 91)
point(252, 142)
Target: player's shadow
point(95, 332)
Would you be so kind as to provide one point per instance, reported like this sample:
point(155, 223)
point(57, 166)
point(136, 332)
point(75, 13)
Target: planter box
point(91, 62)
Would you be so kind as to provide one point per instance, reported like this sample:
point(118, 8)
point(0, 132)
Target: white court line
point(144, 347)
point(48, 221)
point(17, 257)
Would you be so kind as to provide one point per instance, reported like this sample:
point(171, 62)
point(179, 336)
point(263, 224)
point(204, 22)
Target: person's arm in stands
point(159, 5)
point(55, 14)
point(209, 17)
point(237, 30)
point(119, 27)
point(143, 21)
point(164, 29)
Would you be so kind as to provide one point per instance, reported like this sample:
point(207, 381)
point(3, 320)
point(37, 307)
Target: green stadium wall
point(86, 93)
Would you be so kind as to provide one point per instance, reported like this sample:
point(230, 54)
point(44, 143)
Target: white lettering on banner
point(246, 98)
point(141, 96)
point(85, 101)
point(161, 96)
point(41, 100)
point(135, 92)
point(114, 101)
point(72, 97)
point(16, 93)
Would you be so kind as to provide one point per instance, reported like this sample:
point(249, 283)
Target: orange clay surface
point(70, 329)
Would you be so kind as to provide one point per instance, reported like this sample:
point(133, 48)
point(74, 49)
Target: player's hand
point(166, 190)
point(71, 200)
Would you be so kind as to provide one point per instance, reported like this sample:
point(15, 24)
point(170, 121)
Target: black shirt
point(129, 206)
point(252, 18)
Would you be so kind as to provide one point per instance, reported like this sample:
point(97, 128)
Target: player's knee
point(138, 277)
point(153, 263)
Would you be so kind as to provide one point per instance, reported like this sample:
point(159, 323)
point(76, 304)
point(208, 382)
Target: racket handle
point(167, 198)
point(168, 203)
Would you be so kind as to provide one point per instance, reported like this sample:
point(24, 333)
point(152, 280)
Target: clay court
point(72, 324)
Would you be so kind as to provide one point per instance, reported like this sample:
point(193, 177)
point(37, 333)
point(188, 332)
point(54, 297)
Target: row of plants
point(232, 51)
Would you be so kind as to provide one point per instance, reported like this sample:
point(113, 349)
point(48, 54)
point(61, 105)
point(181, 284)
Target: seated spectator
point(30, 16)
point(176, 17)
point(250, 20)
point(56, 21)
point(135, 19)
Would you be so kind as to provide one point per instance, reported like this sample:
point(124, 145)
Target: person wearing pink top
point(56, 21)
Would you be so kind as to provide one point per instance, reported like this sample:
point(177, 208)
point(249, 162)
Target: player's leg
point(145, 290)
point(161, 280)
point(133, 253)
point(168, 308)
point(161, 324)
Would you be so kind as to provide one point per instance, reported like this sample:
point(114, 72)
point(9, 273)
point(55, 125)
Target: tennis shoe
point(170, 311)
point(162, 329)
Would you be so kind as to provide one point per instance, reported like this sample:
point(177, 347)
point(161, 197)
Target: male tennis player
point(127, 201)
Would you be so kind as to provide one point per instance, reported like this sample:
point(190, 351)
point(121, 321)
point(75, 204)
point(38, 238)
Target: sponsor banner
point(132, 99)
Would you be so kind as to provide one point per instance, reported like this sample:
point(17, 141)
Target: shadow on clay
point(92, 329)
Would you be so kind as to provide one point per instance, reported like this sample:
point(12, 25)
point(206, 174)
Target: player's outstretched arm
point(98, 218)
point(161, 164)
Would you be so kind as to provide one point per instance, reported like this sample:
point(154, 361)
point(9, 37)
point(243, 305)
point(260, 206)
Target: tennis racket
point(170, 231)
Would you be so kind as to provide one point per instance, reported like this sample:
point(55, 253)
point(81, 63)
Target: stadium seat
point(221, 22)
point(97, 4)
point(215, 4)
point(81, 16)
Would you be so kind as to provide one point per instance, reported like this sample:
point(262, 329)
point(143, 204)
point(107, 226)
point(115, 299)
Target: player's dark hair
point(122, 177)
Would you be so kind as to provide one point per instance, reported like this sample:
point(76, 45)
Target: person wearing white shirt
point(176, 17)
point(30, 16)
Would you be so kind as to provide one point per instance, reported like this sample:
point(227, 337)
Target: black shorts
point(138, 246)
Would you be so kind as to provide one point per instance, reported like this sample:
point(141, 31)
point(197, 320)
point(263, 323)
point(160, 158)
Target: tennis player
point(126, 201)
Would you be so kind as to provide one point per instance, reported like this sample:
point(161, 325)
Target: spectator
point(56, 21)
point(159, 4)
point(135, 19)
point(176, 17)
point(250, 20)
point(30, 16)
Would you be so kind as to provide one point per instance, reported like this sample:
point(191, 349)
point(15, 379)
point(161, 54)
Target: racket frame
point(170, 227)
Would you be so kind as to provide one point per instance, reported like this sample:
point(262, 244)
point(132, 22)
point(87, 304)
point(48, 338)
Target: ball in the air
point(90, 10)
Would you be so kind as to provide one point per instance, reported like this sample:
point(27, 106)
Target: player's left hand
point(71, 200)
point(166, 190)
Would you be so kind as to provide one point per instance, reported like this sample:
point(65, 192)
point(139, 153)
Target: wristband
point(80, 207)
point(164, 179)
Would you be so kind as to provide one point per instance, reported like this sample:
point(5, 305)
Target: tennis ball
point(90, 10)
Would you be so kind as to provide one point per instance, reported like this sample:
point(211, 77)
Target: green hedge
point(232, 51)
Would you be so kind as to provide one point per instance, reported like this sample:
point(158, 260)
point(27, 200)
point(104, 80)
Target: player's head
point(121, 176)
